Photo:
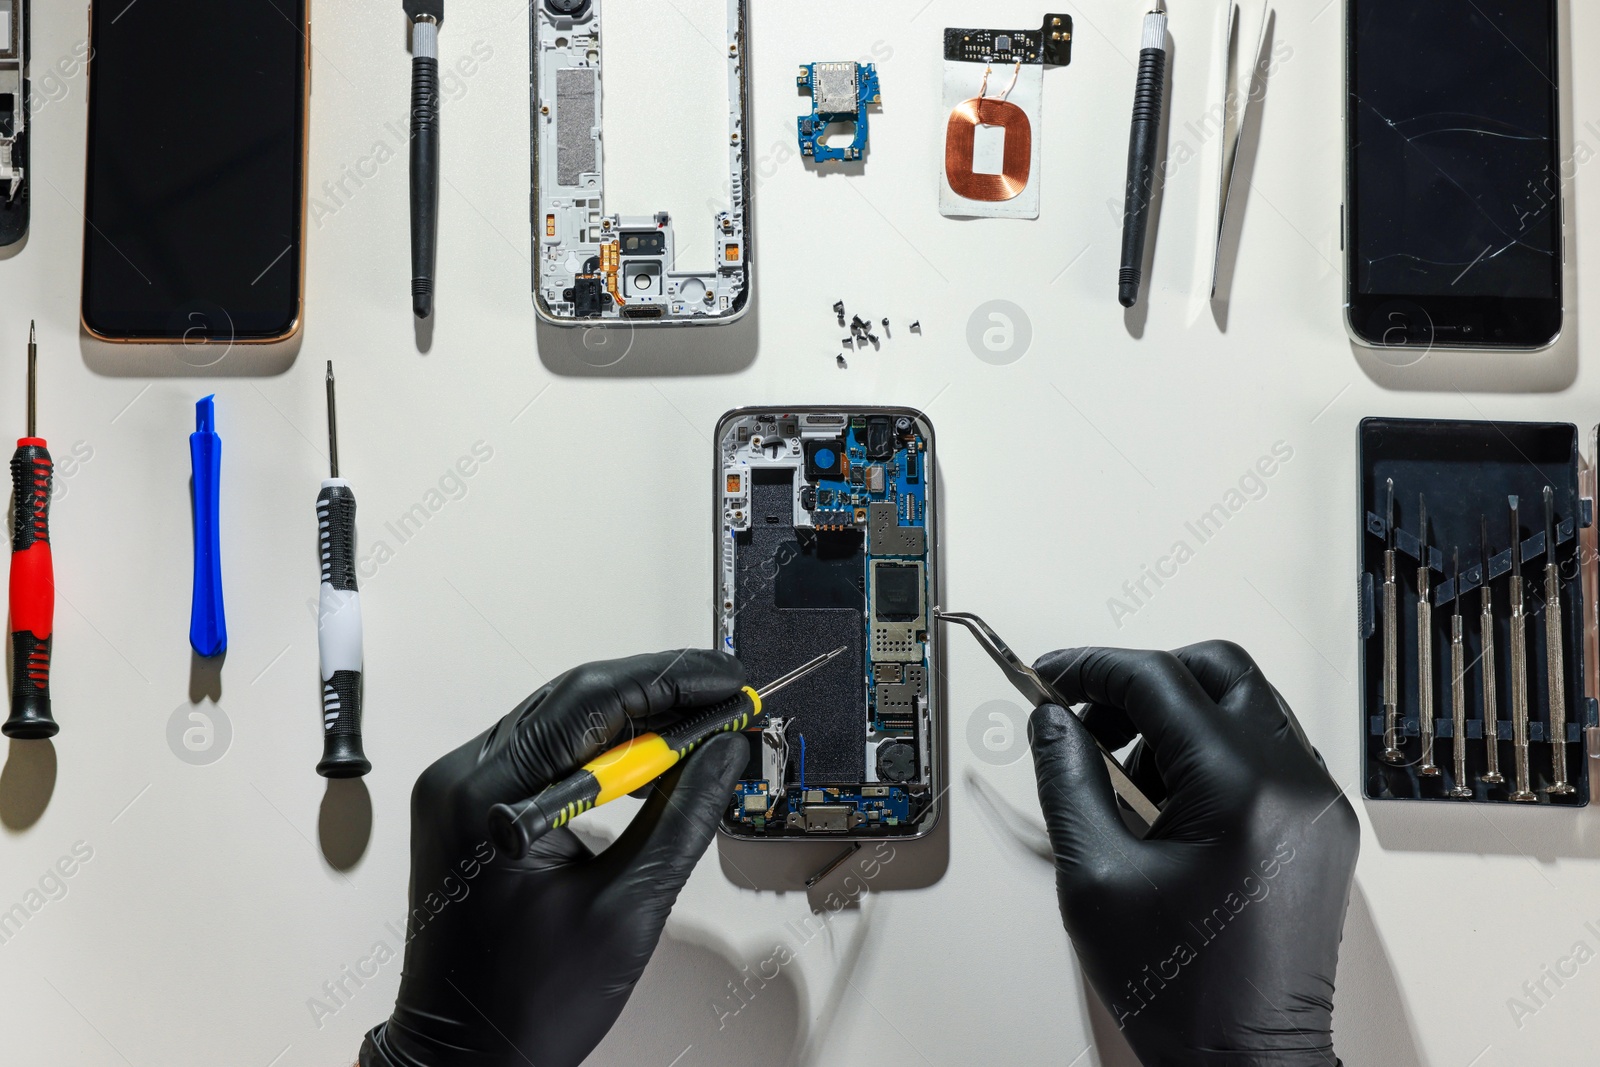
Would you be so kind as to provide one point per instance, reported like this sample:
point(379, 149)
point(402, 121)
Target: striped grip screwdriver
point(339, 618)
point(33, 580)
point(631, 765)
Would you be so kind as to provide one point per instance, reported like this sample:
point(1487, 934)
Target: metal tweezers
point(1038, 691)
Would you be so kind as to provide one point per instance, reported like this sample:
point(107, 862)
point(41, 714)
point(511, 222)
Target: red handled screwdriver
point(33, 580)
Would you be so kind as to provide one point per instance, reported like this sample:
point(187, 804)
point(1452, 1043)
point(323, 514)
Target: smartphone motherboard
point(825, 523)
point(593, 267)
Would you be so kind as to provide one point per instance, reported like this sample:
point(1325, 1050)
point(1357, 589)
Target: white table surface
point(220, 898)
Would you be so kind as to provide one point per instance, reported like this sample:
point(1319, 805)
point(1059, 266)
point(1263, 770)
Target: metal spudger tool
point(1144, 143)
point(1458, 692)
point(635, 763)
point(1040, 692)
point(339, 630)
point(1519, 665)
point(426, 17)
point(1391, 642)
point(33, 582)
point(1425, 729)
point(1554, 653)
point(1491, 694)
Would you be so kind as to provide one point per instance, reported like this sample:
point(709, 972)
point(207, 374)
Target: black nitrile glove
point(1213, 942)
point(517, 960)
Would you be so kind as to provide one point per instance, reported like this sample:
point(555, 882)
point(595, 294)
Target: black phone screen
point(1455, 172)
point(194, 198)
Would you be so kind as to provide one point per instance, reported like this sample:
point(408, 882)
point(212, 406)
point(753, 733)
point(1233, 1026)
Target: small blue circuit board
point(871, 807)
point(883, 805)
point(840, 92)
point(751, 803)
point(903, 484)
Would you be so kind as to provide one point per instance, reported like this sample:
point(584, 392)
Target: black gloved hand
point(517, 960)
point(1215, 939)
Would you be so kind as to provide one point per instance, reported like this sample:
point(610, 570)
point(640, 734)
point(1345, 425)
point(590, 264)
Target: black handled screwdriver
point(1143, 147)
point(636, 762)
point(339, 631)
point(426, 17)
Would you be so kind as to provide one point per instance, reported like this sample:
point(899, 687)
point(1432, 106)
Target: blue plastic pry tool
point(208, 628)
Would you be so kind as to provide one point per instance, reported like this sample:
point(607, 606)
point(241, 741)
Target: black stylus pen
point(426, 16)
point(1142, 148)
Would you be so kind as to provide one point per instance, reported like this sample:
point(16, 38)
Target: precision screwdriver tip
point(800, 672)
point(1516, 538)
point(1549, 525)
point(33, 381)
point(333, 428)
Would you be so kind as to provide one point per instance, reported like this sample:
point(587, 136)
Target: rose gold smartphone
point(194, 197)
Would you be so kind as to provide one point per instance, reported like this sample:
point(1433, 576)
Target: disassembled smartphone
point(14, 186)
point(592, 266)
point(826, 537)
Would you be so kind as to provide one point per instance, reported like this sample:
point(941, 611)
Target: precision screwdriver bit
point(1391, 642)
point(1519, 666)
point(1425, 727)
point(1491, 695)
point(1458, 692)
point(1554, 654)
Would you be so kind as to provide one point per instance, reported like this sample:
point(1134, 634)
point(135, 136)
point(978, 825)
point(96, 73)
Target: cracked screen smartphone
point(1453, 197)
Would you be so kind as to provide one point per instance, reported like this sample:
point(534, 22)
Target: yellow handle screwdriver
point(629, 766)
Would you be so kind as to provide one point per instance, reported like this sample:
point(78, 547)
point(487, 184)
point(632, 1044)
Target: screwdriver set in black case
point(1477, 599)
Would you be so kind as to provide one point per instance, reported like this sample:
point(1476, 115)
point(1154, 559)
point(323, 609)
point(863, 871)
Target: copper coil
point(961, 139)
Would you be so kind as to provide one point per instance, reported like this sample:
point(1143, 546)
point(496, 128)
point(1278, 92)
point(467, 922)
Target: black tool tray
point(1467, 471)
